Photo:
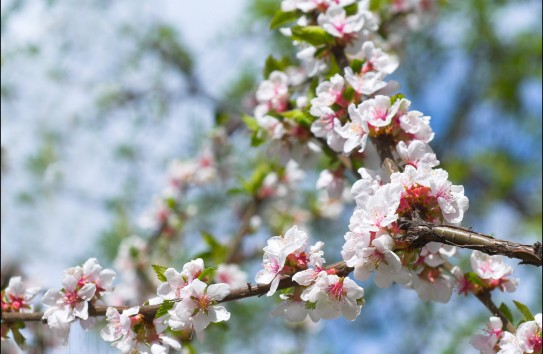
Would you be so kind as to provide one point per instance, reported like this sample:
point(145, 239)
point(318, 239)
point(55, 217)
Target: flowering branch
point(419, 233)
point(340, 269)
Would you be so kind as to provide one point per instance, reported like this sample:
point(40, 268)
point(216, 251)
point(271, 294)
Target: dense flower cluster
point(196, 303)
point(321, 294)
point(337, 100)
point(81, 285)
point(526, 339)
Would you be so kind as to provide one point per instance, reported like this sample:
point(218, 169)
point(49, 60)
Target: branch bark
point(419, 233)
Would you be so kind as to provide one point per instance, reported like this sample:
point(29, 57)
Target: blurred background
point(99, 96)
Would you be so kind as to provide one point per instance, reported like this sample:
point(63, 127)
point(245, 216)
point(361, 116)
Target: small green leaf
point(273, 64)
point(221, 118)
point(506, 312)
point(356, 65)
point(524, 310)
point(18, 337)
point(349, 93)
point(159, 270)
point(310, 305)
point(299, 116)
point(396, 97)
point(258, 138)
point(314, 35)
point(250, 122)
point(282, 18)
point(474, 278)
point(166, 306)
point(209, 271)
point(351, 10)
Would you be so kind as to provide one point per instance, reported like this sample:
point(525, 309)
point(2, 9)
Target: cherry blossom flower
point(333, 183)
point(380, 258)
point(176, 282)
point(16, 297)
point(417, 153)
point(201, 305)
point(102, 278)
point(509, 344)
point(377, 112)
point(334, 296)
point(292, 308)
point(119, 328)
point(435, 254)
point(376, 59)
point(355, 132)
point(380, 209)
point(312, 66)
point(326, 126)
point(329, 92)
point(276, 252)
point(529, 335)
point(432, 285)
point(366, 186)
point(310, 5)
point(450, 197)
point(418, 125)
point(68, 303)
point(336, 22)
point(232, 275)
point(365, 83)
point(486, 343)
point(494, 270)
point(273, 93)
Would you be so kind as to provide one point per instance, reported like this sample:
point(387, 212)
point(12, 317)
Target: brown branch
point(243, 230)
point(341, 269)
point(419, 233)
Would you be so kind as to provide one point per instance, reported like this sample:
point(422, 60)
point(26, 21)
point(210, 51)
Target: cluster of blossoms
point(526, 339)
point(489, 273)
point(129, 332)
point(321, 292)
point(16, 298)
point(356, 103)
point(164, 214)
point(81, 286)
point(196, 302)
point(420, 193)
point(190, 306)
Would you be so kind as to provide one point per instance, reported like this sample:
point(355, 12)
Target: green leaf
point(281, 18)
point(349, 93)
point(506, 312)
point(217, 251)
point(396, 97)
point(524, 310)
point(250, 122)
point(273, 64)
point(356, 65)
point(310, 305)
point(166, 306)
point(258, 138)
point(159, 270)
point(351, 9)
point(18, 337)
point(474, 278)
point(255, 181)
point(299, 116)
point(221, 118)
point(314, 35)
point(209, 271)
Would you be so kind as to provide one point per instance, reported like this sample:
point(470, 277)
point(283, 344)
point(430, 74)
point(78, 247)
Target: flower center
point(335, 291)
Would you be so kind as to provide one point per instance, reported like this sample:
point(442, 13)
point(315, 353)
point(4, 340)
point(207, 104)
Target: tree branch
point(419, 233)
point(341, 269)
